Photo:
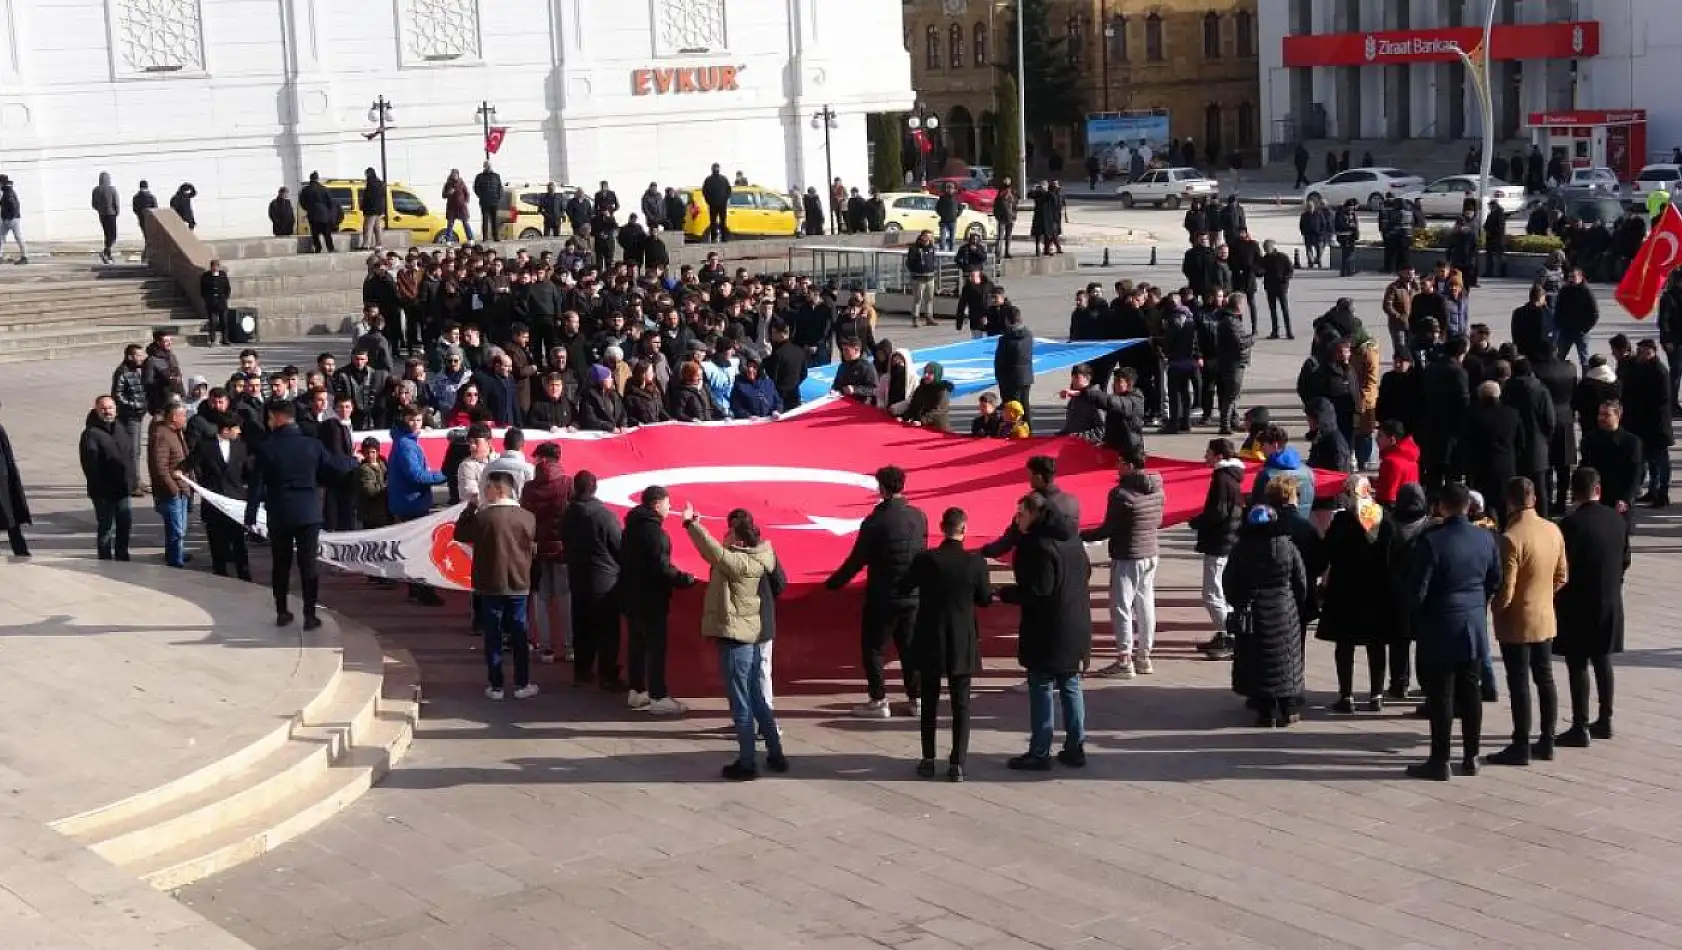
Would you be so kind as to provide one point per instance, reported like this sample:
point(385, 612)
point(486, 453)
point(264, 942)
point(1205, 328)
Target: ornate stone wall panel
point(689, 26)
point(439, 31)
point(156, 37)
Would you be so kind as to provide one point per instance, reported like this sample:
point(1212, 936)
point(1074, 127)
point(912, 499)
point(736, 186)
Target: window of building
point(981, 40)
point(1246, 125)
point(1212, 129)
point(1211, 36)
point(1153, 38)
point(931, 44)
point(1244, 33)
point(955, 46)
point(1077, 42)
point(1116, 39)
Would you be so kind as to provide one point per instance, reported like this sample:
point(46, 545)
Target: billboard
point(1114, 136)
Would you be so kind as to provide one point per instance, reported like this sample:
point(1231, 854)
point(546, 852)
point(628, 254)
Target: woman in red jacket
point(1398, 462)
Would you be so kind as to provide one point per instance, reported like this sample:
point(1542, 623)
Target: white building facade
point(1380, 69)
point(241, 97)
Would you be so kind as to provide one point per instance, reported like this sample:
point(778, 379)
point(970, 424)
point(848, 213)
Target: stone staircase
point(51, 310)
point(301, 773)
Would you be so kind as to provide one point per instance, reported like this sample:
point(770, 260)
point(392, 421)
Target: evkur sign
point(681, 80)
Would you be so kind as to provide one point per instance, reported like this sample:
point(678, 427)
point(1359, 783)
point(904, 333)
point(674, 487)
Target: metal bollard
point(1296, 258)
point(1153, 255)
point(1106, 257)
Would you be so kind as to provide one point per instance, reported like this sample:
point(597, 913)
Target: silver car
point(1168, 187)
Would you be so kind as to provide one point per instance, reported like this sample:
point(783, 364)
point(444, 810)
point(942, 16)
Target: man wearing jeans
point(1216, 527)
point(167, 453)
point(503, 536)
point(109, 468)
point(1054, 638)
point(922, 265)
point(1132, 522)
point(1575, 315)
point(947, 208)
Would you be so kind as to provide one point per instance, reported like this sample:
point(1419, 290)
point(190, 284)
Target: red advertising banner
point(1395, 47)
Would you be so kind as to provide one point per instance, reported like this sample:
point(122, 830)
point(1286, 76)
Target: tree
point(1054, 86)
point(1007, 145)
point(887, 169)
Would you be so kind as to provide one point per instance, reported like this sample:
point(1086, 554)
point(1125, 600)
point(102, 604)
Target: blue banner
point(969, 365)
point(1115, 136)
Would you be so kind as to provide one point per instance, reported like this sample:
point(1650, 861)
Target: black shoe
point(312, 622)
point(1203, 420)
point(1273, 336)
point(283, 619)
point(427, 597)
point(1376, 703)
point(1511, 755)
point(1030, 763)
point(1421, 711)
point(614, 685)
point(1601, 729)
point(925, 768)
point(1469, 765)
point(737, 772)
point(1661, 500)
point(1432, 771)
point(1266, 721)
point(777, 763)
point(1344, 704)
point(1225, 429)
point(1223, 652)
point(1073, 758)
point(1576, 737)
point(1397, 693)
point(1645, 499)
point(1491, 694)
point(954, 773)
point(1542, 751)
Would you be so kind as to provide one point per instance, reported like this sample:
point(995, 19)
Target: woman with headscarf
point(931, 402)
point(753, 396)
point(1266, 587)
point(1015, 427)
point(1358, 606)
point(601, 409)
point(644, 403)
point(893, 385)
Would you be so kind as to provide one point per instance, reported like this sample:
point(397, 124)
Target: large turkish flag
point(1660, 254)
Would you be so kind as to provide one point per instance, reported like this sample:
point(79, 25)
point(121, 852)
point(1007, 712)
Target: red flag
point(493, 138)
point(1660, 254)
point(922, 140)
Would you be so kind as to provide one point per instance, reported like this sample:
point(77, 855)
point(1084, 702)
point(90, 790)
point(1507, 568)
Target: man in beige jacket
point(1532, 570)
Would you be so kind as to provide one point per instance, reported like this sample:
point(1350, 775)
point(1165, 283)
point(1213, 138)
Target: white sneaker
point(666, 706)
point(874, 709)
point(526, 692)
point(1120, 669)
point(546, 657)
point(1142, 665)
point(637, 700)
point(492, 693)
point(914, 709)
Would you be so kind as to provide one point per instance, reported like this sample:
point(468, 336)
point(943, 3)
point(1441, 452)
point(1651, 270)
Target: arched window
point(981, 40)
point(1246, 125)
point(1212, 129)
point(1153, 38)
point(1244, 33)
point(931, 51)
point(1211, 35)
point(1117, 38)
point(955, 46)
point(1077, 42)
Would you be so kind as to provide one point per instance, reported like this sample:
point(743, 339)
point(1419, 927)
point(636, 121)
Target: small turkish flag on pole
point(922, 140)
point(493, 138)
point(1660, 254)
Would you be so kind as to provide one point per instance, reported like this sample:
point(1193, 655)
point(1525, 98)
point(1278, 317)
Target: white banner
point(424, 550)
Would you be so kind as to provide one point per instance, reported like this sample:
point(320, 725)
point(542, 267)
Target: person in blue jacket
point(1281, 459)
point(753, 396)
point(409, 482)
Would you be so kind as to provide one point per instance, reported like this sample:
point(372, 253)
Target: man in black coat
point(1575, 314)
point(1647, 415)
point(1490, 438)
point(1398, 394)
point(786, 364)
point(890, 537)
point(1535, 407)
point(285, 470)
point(321, 211)
point(1013, 360)
point(14, 506)
point(1559, 378)
point(214, 290)
point(1616, 454)
point(1590, 607)
point(1530, 325)
point(950, 584)
point(1445, 394)
point(715, 191)
point(856, 376)
point(646, 582)
point(487, 186)
point(592, 539)
point(221, 465)
point(1200, 268)
point(108, 466)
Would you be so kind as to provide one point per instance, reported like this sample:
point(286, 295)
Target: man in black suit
point(335, 433)
point(1616, 454)
point(285, 471)
point(950, 583)
point(221, 465)
point(1590, 606)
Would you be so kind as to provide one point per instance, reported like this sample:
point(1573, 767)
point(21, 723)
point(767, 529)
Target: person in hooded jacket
point(182, 204)
point(930, 404)
point(1216, 528)
point(1268, 587)
point(409, 482)
point(1599, 385)
point(1358, 606)
point(753, 396)
point(1279, 458)
point(107, 206)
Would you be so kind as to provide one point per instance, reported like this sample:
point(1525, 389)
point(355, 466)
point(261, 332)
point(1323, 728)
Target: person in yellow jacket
point(1015, 427)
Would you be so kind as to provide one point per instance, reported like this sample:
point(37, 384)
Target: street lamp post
point(1479, 71)
point(827, 120)
point(384, 115)
point(1109, 37)
point(487, 114)
point(1021, 104)
point(923, 118)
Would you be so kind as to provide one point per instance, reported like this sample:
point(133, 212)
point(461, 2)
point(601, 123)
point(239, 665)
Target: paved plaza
point(566, 821)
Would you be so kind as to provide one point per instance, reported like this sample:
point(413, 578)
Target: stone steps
point(283, 784)
point(65, 310)
point(38, 343)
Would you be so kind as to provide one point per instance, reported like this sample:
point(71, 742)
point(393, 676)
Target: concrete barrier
point(174, 251)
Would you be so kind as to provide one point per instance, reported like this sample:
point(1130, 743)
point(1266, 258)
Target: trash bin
point(242, 325)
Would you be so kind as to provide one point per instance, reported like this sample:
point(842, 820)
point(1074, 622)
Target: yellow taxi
point(914, 211)
point(519, 219)
point(754, 211)
point(407, 212)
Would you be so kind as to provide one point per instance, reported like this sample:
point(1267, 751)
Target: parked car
point(1168, 187)
point(755, 211)
point(1447, 197)
point(519, 218)
point(406, 211)
point(1661, 177)
point(974, 192)
point(1366, 185)
point(1603, 209)
point(1591, 182)
point(914, 211)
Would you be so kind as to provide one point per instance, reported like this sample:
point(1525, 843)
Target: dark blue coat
point(285, 470)
point(1456, 570)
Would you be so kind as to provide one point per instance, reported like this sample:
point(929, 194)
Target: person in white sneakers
point(647, 579)
point(1132, 521)
point(504, 538)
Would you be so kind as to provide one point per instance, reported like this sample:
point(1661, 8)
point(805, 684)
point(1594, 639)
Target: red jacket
point(1397, 466)
point(546, 497)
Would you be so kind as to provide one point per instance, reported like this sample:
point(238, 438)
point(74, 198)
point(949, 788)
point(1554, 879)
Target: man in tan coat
point(167, 453)
point(1532, 570)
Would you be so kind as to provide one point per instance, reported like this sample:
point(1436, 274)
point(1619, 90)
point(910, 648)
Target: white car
point(1592, 180)
point(1367, 186)
point(913, 211)
point(1168, 187)
point(1446, 197)
point(1661, 177)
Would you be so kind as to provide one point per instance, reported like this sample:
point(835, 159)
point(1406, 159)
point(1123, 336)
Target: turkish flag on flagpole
point(1660, 254)
point(493, 138)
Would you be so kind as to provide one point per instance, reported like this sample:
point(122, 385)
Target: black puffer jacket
point(1265, 581)
point(1223, 508)
point(647, 575)
point(591, 538)
point(107, 459)
point(891, 536)
point(1013, 361)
